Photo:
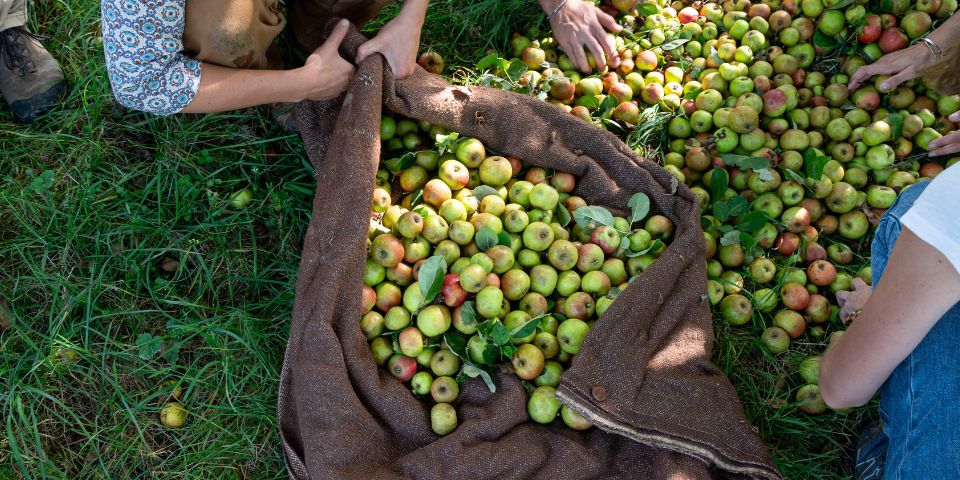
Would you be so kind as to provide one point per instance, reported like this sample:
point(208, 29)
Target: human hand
point(852, 301)
point(578, 25)
point(326, 74)
point(949, 143)
point(903, 65)
point(398, 41)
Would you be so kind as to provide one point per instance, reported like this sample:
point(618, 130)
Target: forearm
point(947, 33)
point(223, 89)
point(414, 11)
point(549, 5)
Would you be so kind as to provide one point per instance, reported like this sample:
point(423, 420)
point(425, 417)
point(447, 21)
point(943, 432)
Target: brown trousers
point(240, 33)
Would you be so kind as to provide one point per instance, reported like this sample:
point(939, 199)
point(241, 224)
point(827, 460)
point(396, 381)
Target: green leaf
point(692, 94)
point(474, 371)
point(721, 210)
point(488, 62)
point(416, 198)
point(793, 175)
point(483, 191)
point(747, 241)
point(745, 162)
point(431, 278)
point(738, 206)
point(589, 101)
point(672, 44)
point(400, 163)
point(508, 350)
point(486, 239)
point(468, 313)
point(646, 9)
point(499, 334)
point(424, 210)
point(719, 182)
point(172, 353)
point(824, 41)
point(639, 205)
point(813, 164)
point(527, 328)
point(42, 183)
point(609, 103)
point(503, 238)
point(148, 346)
point(656, 245)
point(490, 354)
point(516, 68)
point(593, 216)
point(446, 142)
point(752, 222)
point(895, 120)
point(624, 246)
point(457, 343)
point(730, 238)
point(563, 215)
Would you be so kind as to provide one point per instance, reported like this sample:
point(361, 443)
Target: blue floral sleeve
point(143, 43)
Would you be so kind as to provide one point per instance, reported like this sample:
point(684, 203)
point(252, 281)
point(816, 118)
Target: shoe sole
point(28, 109)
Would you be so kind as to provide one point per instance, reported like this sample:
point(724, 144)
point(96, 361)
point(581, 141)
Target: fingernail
point(955, 117)
point(343, 22)
point(885, 85)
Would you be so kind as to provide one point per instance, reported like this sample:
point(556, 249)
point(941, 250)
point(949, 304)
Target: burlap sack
point(643, 375)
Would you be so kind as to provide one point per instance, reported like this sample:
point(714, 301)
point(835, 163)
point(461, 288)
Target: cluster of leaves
point(737, 208)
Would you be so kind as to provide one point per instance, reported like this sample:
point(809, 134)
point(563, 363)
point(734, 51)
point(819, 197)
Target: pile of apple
point(748, 105)
point(483, 261)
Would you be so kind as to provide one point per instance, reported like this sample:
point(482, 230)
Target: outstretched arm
point(324, 75)
point(919, 286)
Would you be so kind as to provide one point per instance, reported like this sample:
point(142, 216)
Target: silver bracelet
point(556, 9)
point(934, 48)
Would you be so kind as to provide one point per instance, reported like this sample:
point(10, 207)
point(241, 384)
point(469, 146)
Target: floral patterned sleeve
point(143, 43)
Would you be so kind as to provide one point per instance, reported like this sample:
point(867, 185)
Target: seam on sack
point(656, 440)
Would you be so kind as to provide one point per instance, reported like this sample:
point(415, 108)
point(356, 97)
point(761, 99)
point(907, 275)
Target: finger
point(608, 48)
point(858, 283)
point(953, 137)
point(336, 36)
point(954, 117)
point(892, 82)
point(842, 297)
point(949, 149)
point(608, 22)
point(575, 52)
point(598, 57)
point(860, 75)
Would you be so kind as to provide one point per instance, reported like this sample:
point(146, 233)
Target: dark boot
point(30, 79)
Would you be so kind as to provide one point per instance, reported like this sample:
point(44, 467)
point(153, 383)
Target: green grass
point(96, 204)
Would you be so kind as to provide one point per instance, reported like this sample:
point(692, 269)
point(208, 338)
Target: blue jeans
point(919, 402)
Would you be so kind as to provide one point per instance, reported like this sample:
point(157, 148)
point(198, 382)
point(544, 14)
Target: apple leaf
point(424, 210)
point(563, 215)
point(527, 328)
point(504, 239)
point(490, 353)
point(416, 198)
point(796, 177)
point(646, 9)
point(656, 245)
point(745, 162)
point(895, 120)
point(516, 68)
point(589, 101)
point(499, 334)
point(483, 191)
point(431, 278)
point(813, 164)
point(485, 239)
point(738, 206)
point(721, 210)
point(824, 41)
point(730, 238)
point(718, 183)
point(639, 205)
point(488, 62)
point(402, 162)
point(609, 103)
point(468, 313)
point(624, 246)
point(474, 371)
point(672, 44)
point(446, 142)
point(148, 346)
point(752, 222)
point(692, 94)
point(593, 216)
point(457, 343)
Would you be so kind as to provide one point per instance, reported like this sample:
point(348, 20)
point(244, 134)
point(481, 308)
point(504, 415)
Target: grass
point(123, 267)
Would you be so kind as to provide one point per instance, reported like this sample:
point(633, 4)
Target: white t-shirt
point(935, 215)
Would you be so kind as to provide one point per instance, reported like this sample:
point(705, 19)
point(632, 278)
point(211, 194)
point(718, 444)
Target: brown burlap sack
point(643, 375)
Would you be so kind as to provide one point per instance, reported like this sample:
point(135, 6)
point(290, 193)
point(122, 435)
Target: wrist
point(414, 10)
point(295, 82)
point(548, 5)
